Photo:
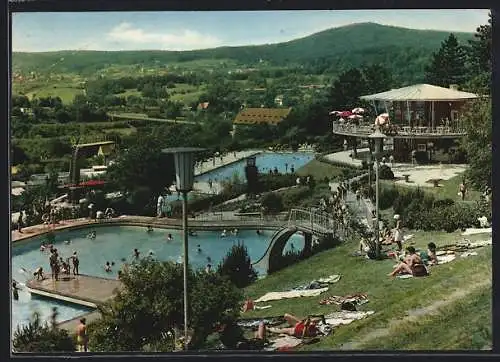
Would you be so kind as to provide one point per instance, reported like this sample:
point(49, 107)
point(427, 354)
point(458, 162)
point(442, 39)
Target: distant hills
point(400, 49)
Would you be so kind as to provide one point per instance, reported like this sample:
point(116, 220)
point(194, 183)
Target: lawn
point(67, 94)
point(391, 299)
point(319, 170)
point(448, 189)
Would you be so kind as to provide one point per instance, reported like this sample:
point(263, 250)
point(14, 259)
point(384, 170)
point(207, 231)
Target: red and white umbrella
point(358, 110)
point(337, 113)
point(379, 121)
point(355, 116)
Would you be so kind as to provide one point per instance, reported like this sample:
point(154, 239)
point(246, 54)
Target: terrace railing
point(396, 130)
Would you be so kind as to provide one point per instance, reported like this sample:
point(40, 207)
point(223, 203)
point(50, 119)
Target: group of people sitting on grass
point(416, 264)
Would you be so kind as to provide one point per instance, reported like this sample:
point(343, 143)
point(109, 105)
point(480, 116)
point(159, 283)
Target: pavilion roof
point(421, 92)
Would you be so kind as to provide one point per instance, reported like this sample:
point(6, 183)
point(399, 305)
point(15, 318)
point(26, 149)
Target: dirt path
point(414, 314)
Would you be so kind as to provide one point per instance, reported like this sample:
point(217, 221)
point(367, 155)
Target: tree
point(478, 142)
point(448, 64)
point(150, 308)
point(347, 89)
point(479, 59)
point(237, 266)
point(143, 169)
point(377, 78)
point(40, 337)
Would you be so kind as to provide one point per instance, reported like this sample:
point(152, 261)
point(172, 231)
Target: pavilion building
point(423, 118)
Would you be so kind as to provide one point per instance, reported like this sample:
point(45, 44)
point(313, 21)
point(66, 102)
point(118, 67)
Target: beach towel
point(468, 253)
point(258, 307)
point(357, 298)
point(472, 231)
point(443, 259)
point(283, 341)
point(404, 276)
point(290, 294)
point(319, 283)
point(344, 317)
point(480, 243)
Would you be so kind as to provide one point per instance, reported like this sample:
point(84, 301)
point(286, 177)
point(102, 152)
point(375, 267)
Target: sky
point(39, 32)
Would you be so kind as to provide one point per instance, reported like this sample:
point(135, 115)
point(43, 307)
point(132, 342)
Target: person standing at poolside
point(20, 222)
point(136, 254)
point(76, 263)
point(159, 206)
point(81, 336)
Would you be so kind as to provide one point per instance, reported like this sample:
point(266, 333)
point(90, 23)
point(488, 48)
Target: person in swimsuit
point(407, 266)
point(300, 328)
point(429, 257)
point(76, 263)
point(81, 336)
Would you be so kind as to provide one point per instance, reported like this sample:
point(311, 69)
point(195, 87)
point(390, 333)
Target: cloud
point(181, 40)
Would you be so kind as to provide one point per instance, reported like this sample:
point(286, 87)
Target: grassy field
point(448, 189)
point(393, 299)
point(67, 94)
point(319, 170)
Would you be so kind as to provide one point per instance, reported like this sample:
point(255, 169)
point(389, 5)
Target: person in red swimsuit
point(300, 328)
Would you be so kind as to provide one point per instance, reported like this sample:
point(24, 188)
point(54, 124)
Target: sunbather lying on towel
point(412, 264)
point(300, 328)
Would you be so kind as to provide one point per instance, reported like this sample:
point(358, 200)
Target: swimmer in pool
point(192, 233)
point(136, 253)
point(199, 248)
point(209, 259)
point(107, 267)
point(170, 237)
point(149, 229)
point(67, 242)
point(223, 234)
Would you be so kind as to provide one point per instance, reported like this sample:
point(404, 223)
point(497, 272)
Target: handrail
point(400, 130)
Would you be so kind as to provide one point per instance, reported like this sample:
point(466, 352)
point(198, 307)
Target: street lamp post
point(184, 178)
point(378, 138)
point(369, 161)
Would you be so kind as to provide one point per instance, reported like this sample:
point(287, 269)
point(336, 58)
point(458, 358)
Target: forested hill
point(341, 47)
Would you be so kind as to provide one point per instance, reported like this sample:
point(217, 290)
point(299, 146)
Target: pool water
point(264, 161)
point(114, 243)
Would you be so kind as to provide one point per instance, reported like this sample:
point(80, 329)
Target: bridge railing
point(319, 221)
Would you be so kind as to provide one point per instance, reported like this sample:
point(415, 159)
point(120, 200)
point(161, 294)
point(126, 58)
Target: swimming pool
point(264, 161)
point(114, 243)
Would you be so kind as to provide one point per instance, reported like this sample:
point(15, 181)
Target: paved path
point(81, 289)
point(419, 174)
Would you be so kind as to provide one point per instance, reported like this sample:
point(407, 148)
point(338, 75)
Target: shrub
point(237, 266)
point(387, 197)
point(38, 337)
point(272, 202)
point(386, 173)
point(292, 197)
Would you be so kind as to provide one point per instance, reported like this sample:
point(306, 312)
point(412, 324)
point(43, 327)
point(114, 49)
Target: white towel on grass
point(290, 294)
point(472, 231)
point(346, 317)
point(443, 259)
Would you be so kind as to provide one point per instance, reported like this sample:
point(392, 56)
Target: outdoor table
point(407, 177)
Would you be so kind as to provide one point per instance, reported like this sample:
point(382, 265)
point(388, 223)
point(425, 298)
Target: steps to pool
point(84, 290)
